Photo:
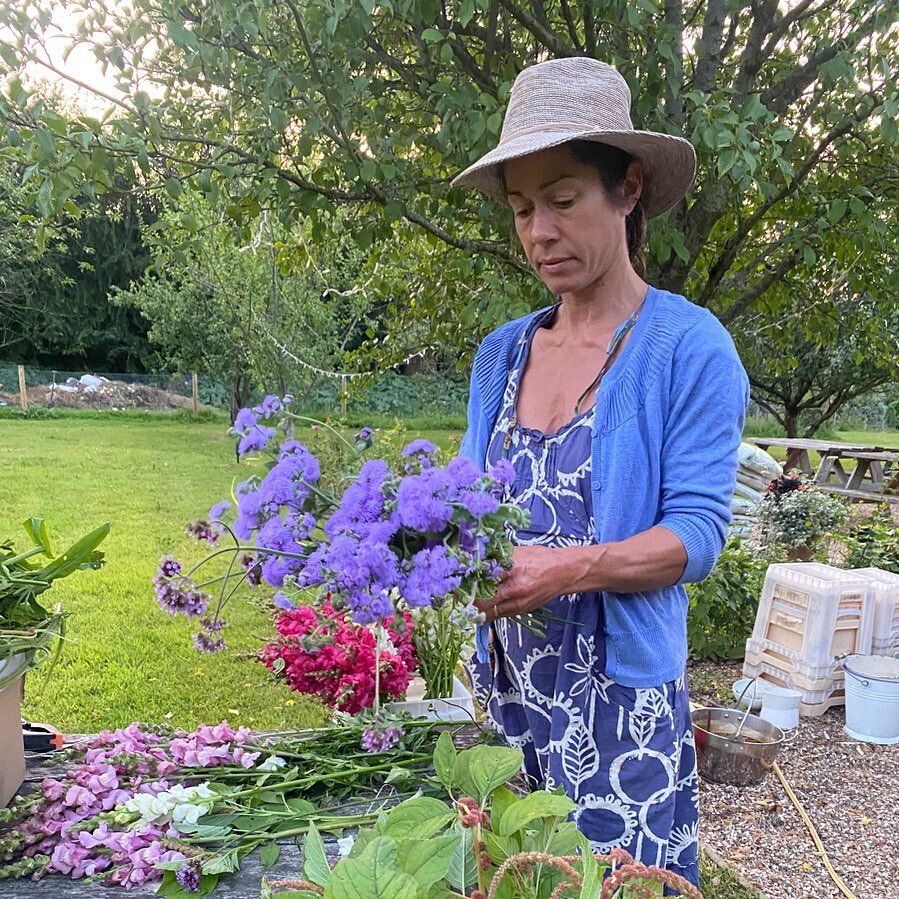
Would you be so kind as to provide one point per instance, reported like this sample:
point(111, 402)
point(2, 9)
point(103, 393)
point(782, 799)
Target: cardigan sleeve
point(709, 397)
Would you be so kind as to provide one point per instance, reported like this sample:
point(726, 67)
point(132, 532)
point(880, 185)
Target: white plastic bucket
point(872, 698)
point(780, 706)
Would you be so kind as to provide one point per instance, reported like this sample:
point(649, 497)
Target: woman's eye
point(522, 213)
point(564, 202)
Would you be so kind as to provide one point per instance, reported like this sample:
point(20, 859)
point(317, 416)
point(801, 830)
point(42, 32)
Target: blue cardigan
point(669, 418)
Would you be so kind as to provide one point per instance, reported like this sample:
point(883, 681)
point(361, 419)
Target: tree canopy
point(296, 108)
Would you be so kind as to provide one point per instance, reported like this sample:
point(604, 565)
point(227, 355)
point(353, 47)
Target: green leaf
point(427, 860)
point(269, 855)
point(373, 875)
point(445, 760)
point(315, 862)
point(837, 210)
point(535, 805)
point(503, 798)
point(174, 187)
point(222, 863)
point(418, 818)
point(492, 766)
point(463, 870)
point(431, 35)
point(37, 530)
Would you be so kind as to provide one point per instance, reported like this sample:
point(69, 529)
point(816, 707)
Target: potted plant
point(794, 515)
point(30, 629)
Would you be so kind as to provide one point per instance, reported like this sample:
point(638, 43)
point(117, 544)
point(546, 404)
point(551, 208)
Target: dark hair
point(611, 164)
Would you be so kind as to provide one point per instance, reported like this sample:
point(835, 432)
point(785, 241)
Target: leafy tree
point(303, 106)
point(244, 313)
point(812, 347)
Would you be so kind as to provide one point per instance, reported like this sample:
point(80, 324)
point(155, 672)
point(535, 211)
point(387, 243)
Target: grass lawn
point(125, 659)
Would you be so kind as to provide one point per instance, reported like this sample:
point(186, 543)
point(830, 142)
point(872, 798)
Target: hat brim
point(669, 163)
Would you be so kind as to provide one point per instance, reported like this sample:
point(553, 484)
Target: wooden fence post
point(23, 393)
point(343, 396)
point(195, 387)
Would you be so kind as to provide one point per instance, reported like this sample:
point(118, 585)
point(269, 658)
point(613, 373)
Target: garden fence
point(420, 395)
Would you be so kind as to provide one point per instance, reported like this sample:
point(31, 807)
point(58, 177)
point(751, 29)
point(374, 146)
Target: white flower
point(185, 813)
point(345, 844)
point(272, 763)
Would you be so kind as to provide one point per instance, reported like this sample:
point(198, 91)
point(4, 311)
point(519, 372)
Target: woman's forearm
point(649, 560)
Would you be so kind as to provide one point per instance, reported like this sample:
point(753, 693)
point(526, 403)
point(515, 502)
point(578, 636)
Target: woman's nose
point(543, 225)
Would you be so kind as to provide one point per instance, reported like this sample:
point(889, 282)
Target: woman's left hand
point(538, 574)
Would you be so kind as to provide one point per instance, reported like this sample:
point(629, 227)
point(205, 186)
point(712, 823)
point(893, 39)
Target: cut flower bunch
point(374, 550)
point(29, 627)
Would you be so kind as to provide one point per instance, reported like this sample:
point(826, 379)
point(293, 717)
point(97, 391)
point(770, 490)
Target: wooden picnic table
point(862, 473)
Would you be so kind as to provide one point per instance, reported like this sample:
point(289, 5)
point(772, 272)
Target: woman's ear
point(632, 185)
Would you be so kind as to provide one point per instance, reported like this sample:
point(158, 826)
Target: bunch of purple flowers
point(416, 536)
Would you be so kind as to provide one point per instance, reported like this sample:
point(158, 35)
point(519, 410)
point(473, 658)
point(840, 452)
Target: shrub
point(723, 606)
point(874, 542)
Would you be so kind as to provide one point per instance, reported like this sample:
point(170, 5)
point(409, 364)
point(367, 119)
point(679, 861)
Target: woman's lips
point(553, 265)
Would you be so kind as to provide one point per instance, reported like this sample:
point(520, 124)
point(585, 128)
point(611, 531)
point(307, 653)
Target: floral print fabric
point(625, 756)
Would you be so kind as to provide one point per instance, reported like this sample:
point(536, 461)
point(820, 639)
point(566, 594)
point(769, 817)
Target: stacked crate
point(809, 614)
point(885, 633)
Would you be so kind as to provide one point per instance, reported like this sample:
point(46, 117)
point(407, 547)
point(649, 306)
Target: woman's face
point(572, 232)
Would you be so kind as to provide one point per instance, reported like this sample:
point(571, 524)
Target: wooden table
point(242, 884)
point(863, 473)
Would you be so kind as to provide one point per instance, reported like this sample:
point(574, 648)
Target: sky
point(81, 64)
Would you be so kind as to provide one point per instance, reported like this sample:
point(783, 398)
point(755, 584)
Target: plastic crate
point(809, 613)
point(813, 692)
point(885, 619)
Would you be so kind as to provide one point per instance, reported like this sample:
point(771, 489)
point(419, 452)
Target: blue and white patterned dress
point(625, 756)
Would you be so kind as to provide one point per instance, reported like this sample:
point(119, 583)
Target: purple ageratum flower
point(218, 510)
point(244, 420)
point(434, 574)
point(287, 483)
point(270, 406)
point(255, 439)
point(479, 504)
point(188, 877)
point(422, 501)
point(461, 475)
point(419, 447)
point(362, 503)
point(277, 535)
point(419, 455)
point(503, 473)
point(282, 601)
point(249, 505)
point(363, 572)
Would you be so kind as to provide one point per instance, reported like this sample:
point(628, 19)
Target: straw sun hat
point(582, 99)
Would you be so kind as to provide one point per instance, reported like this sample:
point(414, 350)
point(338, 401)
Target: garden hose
point(834, 876)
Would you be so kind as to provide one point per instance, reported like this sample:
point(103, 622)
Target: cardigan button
point(596, 485)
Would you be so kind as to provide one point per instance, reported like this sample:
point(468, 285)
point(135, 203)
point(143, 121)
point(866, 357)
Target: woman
point(620, 408)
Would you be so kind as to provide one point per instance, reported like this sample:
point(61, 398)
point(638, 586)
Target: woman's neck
point(594, 313)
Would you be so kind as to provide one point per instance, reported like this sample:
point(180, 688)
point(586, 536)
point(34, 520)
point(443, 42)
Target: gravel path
point(849, 789)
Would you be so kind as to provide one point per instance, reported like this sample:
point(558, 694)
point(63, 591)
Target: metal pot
point(741, 761)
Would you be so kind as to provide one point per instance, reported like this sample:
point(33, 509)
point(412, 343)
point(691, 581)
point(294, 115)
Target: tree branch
point(738, 307)
point(542, 32)
point(708, 47)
